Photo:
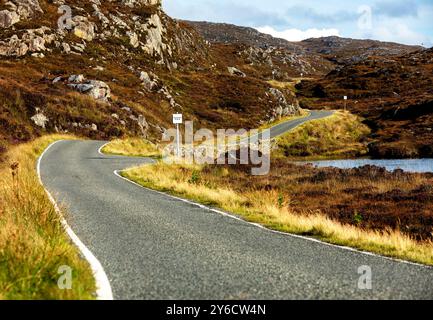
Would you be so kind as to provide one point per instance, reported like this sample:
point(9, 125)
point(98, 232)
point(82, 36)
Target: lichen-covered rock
point(284, 107)
point(142, 124)
point(32, 41)
point(84, 29)
point(76, 78)
point(8, 18)
point(13, 47)
point(135, 3)
point(133, 39)
point(19, 10)
point(149, 83)
point(155, 31)
point(98, 90)
point(27, 8)
point(236, 72)
point(40, 119)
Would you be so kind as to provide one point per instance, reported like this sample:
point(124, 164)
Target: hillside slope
point(333, 49)
point(388, 84)
point(344, 51)
point(122, 67)
point(395, 95)
point(119, 68)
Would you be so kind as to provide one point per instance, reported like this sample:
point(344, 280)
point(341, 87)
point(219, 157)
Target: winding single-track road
point(153, 246)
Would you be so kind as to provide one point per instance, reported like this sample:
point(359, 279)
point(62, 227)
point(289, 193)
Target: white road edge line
point(102, 147)
point(103, 291)
point(117, 173)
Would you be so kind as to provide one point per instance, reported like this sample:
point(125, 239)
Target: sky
point(402, 21)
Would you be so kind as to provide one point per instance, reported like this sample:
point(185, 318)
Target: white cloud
point(399, 33)
point(395, 32)
point(299, 35)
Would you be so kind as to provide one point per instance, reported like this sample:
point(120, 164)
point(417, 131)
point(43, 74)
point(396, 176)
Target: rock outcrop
point(145, 30)
point(19, 10)
point(151, 84)
point(83, 28)
point(31, 41)
point(98, 90)
point(236, 72)
point(284, 106)
point(8, 18)
point(40, 119)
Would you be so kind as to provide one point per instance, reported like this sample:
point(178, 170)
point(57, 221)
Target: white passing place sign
point(177, 118)
point(345, 97)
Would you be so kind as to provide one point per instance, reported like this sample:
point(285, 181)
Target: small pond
point(408, 165)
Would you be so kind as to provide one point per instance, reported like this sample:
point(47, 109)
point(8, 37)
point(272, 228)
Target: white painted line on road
point(103, 291)
point(117, 173)
point(102, 147)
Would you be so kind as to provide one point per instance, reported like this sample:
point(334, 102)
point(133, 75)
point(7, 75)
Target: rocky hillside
point(335, 49)
point(344, 51)
point(122, 67)
point(232, 34)
point(394, 94)
point(290, 59)
point(389, 84)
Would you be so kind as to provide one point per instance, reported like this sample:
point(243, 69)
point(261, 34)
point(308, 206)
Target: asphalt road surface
point(289, 125)
point(286, 126)
point(153, 246)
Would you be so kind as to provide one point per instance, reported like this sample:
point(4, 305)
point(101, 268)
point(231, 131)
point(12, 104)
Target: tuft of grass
point(133, 147)
point(259, 206)
point(358, 218)
point(280, 200)
point(33, 243)
point(340, 135)
point(195, 177)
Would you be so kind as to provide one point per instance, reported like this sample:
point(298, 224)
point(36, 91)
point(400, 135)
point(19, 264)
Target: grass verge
point(33, 244)
point(132, 147)
point(208, 185)
point(341, 135)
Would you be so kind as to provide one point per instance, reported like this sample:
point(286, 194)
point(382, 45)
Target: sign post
point(345, 103)
point(177, 120)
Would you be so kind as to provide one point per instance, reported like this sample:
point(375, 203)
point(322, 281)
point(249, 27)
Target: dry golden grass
point(135, 147)
point(340, 135)
point(271, 210)
point(289, 85)
point(283, 85)
point(33, 244)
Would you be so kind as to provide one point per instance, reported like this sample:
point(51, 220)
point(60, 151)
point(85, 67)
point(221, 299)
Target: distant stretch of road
point(153, 246)
point(289, 125)
point(285, 127)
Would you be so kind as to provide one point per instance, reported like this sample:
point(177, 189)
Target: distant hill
point(394, 94)
point(345, 50)
point(231, 34)
point(336, 49)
